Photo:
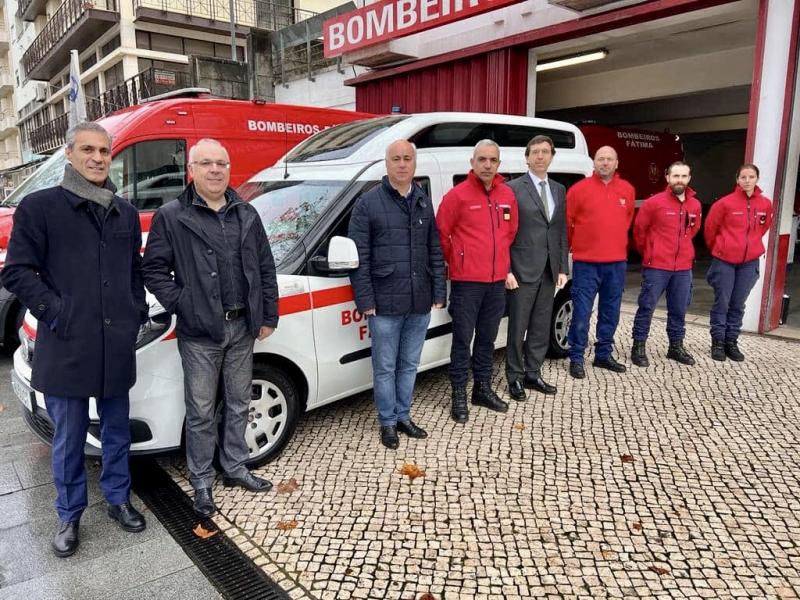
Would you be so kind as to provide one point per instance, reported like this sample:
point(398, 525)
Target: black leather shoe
point(609, 364)
point(732, 350)
point(483, 395)
point(718, 350)
point(517, 391)
point(679, 354)
point(576, 370)
point(249, 482)
point(411, 430)
point(66, 539)
point(540, 385)
point(639, 354)
point(459, 410)
point(204, 503)
point(389, 437)
point(128, 517)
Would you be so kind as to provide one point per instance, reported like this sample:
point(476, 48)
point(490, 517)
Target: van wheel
point(273, 413)
point(559, 326)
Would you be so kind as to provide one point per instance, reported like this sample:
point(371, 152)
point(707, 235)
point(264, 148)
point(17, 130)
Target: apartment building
point(9, 139)
point(129, 49)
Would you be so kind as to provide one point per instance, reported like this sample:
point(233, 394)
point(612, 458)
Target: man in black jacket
point(399, 279)
point(74, 262)
point(208, 261)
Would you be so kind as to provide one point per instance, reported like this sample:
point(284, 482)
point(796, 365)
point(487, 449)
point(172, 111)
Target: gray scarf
point(75, 183)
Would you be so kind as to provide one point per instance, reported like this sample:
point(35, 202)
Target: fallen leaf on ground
point(204, 533)
point(287, 487)
point(626, 458)
point(412, 470)
point(519, 426)
point(658, 570)
point(637, 526)
point(286, 525)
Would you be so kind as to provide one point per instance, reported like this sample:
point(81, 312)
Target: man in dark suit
point(539, 263)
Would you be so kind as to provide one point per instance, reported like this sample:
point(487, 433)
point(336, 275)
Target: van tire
point(272, 415)
point(559, 324)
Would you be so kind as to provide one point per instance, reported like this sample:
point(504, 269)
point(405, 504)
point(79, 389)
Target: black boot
point(718, 349)
point(639, 353)
point(483, 395)
point(66, 539)
point(459, 410)
point(732, 350)
point(678, 353)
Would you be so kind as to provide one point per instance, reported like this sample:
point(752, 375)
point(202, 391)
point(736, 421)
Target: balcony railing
point(148, 83)
point(211, 10)
point(47, 137)
point(57, 30)
point(28, 9)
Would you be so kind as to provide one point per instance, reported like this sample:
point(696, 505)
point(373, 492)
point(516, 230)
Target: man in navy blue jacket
point(399, 279)
point(73, 261)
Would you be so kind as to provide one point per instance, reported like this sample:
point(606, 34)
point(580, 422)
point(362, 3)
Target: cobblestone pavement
point(670, 481)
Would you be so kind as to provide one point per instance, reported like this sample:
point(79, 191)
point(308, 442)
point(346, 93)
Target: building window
point(114, 76)
point(110, 46)
point(90, 60)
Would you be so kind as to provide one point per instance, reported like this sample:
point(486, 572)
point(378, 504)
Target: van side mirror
point(342, 257)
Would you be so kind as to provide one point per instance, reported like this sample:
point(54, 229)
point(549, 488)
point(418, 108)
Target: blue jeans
point(396, 348)
point(732, 285)
point(589, 280)
point(678, 285)
point(206, 364)
point(71, 419)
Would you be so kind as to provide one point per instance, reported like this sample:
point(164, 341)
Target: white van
point(321, 349)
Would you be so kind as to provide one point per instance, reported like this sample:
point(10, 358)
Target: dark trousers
point(732, 285)
point(678, 285)
point(476, 309)
point(205, 365)
point(530, 307)
point(589, 280)
point(71, 419)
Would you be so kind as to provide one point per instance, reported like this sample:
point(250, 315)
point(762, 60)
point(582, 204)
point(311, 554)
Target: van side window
point(151, 173)
point(450, 135)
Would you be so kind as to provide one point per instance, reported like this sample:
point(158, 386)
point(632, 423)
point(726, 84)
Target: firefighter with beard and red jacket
point(477, 222)
point(663, 232)
point(734, 230)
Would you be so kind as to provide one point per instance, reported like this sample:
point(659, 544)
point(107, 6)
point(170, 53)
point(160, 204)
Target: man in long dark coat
point(73, 260)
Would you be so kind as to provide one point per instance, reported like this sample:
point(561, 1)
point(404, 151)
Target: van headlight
point(153, 329)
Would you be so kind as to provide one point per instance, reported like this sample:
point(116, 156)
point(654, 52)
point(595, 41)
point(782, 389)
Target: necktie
point(543, 196)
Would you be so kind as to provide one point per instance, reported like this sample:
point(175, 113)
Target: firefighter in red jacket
point(734, 230)
point(663, 234)
point(599, 213)
point(477, 223)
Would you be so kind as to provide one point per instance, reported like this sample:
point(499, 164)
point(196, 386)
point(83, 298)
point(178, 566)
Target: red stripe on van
point(294, 304)
point(329, 297)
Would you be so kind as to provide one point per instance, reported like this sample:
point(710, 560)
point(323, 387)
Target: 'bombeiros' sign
point(389, 19)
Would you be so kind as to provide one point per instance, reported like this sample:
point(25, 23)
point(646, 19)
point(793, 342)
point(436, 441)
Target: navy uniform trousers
point(71, 419)
point(732, 284)
point(678, 285)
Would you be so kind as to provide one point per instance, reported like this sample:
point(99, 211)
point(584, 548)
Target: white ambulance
point(321, 349)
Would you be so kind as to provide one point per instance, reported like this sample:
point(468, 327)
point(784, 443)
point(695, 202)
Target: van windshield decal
point(288, 209)
point(341, 141)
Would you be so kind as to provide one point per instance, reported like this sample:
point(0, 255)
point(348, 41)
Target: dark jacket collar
point(189, 196)
point(416, 194)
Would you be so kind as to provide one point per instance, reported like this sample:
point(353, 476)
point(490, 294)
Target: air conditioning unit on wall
point(41, 91)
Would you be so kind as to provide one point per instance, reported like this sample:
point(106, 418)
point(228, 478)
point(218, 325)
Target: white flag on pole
point(77, 101)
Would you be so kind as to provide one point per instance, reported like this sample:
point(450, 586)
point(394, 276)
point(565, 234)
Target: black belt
point(230, 315)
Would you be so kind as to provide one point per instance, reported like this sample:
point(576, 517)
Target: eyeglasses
point(206, 164)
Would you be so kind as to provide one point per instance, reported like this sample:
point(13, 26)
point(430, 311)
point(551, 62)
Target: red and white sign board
point(389, 19)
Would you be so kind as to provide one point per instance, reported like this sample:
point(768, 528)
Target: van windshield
point(288, 209)
point(340, 141)
point(49, 174)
